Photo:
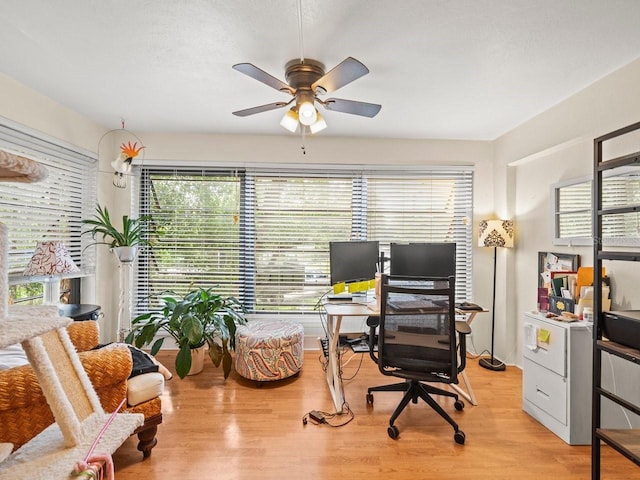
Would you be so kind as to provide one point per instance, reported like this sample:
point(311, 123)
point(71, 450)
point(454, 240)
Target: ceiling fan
point(307, 81)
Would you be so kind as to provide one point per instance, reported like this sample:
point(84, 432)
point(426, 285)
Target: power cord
point(318, 417)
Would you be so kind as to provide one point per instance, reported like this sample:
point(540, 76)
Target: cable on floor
point(318, 417)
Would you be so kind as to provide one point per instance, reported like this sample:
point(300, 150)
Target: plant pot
point(126, 254)
point(197, 360)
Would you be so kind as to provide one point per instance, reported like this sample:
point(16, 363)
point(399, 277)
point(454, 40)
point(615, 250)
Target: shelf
point(624, 441)
point(626, 256)
point(620, 210)
point(627, 442)
point(628, 353)
point(624, 161)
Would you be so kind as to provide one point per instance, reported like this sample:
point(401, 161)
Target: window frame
point(587, 240)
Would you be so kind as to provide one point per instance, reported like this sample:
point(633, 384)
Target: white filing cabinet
point(556, 376)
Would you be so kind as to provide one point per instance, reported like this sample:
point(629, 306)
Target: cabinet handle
point(546, 395)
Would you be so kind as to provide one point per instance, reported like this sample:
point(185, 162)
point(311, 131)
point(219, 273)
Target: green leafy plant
point(131, 235)
point(199, 317)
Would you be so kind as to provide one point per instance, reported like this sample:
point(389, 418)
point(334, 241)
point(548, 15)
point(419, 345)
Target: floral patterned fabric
point(269, 350)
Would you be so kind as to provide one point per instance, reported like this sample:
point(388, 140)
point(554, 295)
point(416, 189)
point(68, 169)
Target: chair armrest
point(84, 334)
point(372, 323)
point(108, 369)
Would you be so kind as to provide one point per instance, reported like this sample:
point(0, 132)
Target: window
point(573, 210)
point(264, 235)
point(434, 208)
point(51, 209)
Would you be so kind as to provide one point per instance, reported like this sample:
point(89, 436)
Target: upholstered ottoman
point(269, 350)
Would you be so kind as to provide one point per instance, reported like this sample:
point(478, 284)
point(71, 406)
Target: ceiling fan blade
point(262, 76)
point(342, 74)
point(262, 108)
point(353, 107)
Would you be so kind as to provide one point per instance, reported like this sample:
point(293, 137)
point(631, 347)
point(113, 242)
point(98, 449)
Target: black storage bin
point(622, 327)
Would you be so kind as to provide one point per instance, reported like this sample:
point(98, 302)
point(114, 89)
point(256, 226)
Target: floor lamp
point(494, 233)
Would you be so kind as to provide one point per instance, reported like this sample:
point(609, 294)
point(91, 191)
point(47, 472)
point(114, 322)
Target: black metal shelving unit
point(624, 441)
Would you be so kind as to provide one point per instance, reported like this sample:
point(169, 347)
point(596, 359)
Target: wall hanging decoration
point(121, 147)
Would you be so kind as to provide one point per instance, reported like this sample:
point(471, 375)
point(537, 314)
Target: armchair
point(419, 340)
point(24, 411)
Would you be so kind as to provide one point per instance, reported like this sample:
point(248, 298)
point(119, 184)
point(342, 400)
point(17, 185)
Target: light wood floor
point(234, 431)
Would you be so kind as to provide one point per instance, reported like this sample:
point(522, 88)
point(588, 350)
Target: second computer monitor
point(423, 259)
point(352, 261)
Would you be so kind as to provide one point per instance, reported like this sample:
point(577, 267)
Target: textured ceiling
point(464, 69)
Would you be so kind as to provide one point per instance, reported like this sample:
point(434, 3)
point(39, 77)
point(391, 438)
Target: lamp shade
point(319, 125)
point(307, 113)
point(290, 120)
point(50, 258)
point(495, 233)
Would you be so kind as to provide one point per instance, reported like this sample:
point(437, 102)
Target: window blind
point(53, 208)
point(263, 235)
point(432, 207)
point(295, 218)
point(195, 234)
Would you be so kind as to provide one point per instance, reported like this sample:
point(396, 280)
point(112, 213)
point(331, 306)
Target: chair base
point(492, 364)
point(414, 390)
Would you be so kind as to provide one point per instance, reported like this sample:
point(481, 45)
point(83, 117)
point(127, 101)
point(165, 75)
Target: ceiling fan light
point(290, 120)
point(307, 113)
point(319, 124)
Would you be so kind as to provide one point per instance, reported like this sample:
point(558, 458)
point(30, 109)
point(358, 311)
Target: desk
point(335, 313)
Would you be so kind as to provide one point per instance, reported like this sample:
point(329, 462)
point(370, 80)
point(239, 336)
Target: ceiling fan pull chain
point(300, 31)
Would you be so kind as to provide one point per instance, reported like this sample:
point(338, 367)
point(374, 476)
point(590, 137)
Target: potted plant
point(125, 241)
point(200, 317)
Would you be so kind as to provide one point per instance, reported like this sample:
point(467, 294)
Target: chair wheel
point(394, 432)
point(369, 398)
point(459, 437)
point(459, 406)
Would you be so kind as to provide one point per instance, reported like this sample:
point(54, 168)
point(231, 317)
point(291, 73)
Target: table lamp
point(494, 233)
point(51, 259)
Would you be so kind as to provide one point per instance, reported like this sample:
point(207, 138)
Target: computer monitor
point(353, 261)
point(423, 259)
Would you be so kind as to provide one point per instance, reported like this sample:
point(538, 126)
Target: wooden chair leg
point(147, 434)
point(147, 440)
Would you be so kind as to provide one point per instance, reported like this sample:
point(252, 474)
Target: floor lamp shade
point(494, 233)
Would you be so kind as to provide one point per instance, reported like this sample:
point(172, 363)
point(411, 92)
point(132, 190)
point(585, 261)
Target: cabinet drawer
point(553, 354)
point(545, 389)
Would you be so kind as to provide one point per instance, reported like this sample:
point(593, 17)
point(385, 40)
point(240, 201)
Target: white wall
point(558, 145)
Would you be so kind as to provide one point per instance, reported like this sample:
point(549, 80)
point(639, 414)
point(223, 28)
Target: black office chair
point(419, 340)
